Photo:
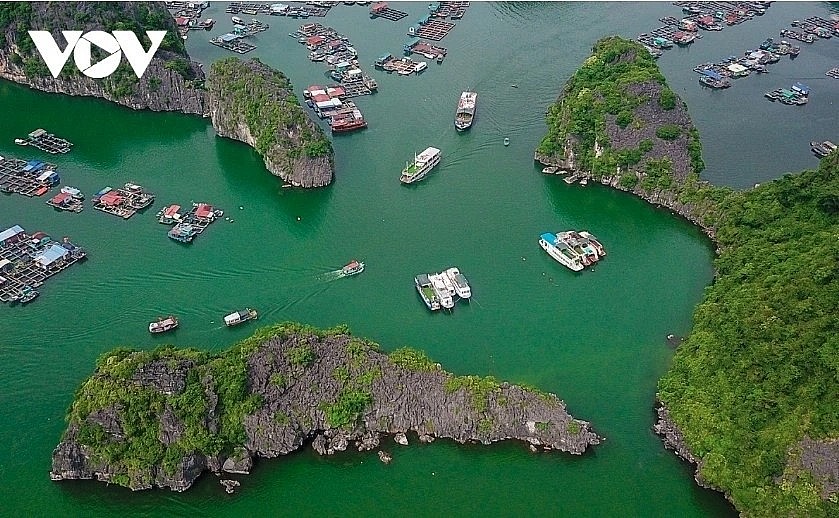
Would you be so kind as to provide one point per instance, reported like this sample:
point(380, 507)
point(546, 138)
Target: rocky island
point(752, 397)
point(253, 103)
point(162, 418)
point(617, 122)
point(250, 102)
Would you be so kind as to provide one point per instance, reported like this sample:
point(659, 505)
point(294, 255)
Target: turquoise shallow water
point(596, 339)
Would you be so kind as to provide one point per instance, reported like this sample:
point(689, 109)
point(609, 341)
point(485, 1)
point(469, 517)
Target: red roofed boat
point(352, 268)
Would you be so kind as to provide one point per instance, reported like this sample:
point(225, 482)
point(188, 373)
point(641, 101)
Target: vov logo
point(115, 44)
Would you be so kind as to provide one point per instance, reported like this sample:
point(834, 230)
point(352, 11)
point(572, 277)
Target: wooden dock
point(47, 142)
point(27, 261)
point(123, 202)
point(32, 178)
point(434, 30)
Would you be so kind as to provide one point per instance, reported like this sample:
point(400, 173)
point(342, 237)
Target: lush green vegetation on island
point(264, 99)
point(604, 114)
point(760, 369)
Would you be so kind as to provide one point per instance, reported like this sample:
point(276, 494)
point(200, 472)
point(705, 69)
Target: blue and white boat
point(561, 252)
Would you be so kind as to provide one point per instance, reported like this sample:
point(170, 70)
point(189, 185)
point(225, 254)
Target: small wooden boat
point(161, 325)
point(352, 268)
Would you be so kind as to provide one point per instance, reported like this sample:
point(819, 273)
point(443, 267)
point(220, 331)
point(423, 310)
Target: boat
point(561, 252)
point(581, 245)
point(353, 267)
point(714, 82)
point(426, 291)
point(346, 122)
point(822, 149)
point(461, 285)
point(570, 179)
point(161, 325)
point(27, 295)
point(169, 215)
point(238, 317)
point(441, 290)
point(72, 191)
point(423, 163)
point(20, 142)
point(237, 21)
point(506, 141)
point(183, 232)
point(584, 181)
point(594, 242)
point(465, 114)
point(550, 170)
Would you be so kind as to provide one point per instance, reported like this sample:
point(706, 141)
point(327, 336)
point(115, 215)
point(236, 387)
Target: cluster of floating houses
point(797, 95)
point(707, 16)
point(189, 225)
point(442, 290)
point(718, 75)
point(28, 178)
point(234, 40)
point(187, 16)
point(26, 261)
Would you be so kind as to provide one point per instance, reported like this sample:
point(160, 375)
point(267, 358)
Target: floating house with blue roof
point(11, 235)
point(53, 256)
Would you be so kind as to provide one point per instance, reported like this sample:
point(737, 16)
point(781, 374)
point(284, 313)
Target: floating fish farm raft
point(69, 199)
point(29, 178)
point(233, 41)
point(27, 261)
point(188, 226)
point(434, 30)
point(336, 51)
point(47, 142)
point(382, 10)
point(453, 10)
point(427, 50)
point(123, 202)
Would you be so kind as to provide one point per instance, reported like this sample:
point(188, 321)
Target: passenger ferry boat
point(465, 114)
point(163, 324)
point(461, 285)
point(423, 163)
point(352, 268)
point(561, 252)
point(427, 292)
point(241, 316)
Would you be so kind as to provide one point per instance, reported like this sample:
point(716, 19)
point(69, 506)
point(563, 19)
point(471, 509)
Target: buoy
point(298, 218)
point(241, 207)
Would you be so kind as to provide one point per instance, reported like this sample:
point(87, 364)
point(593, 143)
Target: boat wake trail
point(331, 276)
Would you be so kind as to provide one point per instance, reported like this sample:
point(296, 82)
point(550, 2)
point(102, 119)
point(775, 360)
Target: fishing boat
point(241, 316)
point(27, 294)
point(161, 325)
point(237, 21)
point(423, 163)
point(465, 114)
point(426, 291)
point(183, 232)
point(561, 252)
point(461, 285)
point(353, 267)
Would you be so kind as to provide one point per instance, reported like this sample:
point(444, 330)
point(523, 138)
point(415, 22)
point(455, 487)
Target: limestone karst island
point(406, 258)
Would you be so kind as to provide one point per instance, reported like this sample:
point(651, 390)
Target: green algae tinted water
point(595, 339)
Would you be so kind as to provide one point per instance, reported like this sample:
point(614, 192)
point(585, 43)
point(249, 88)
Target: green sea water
point(596, 339)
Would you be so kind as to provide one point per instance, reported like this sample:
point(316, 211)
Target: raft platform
point(69, 199)
point(193, 223)
point(453, 10)
point(833, 72)
point(382, 10)
point(434, 30)
point(123, 202)
point(32, 178)
point(234, 45)
point(27, 261)
point(427, 50)
point(48, 142)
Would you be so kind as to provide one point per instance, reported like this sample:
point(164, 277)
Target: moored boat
point(238, 317)
point(423, 163)
point(426, 291)
point(465, 114)
point(161, 325)
point(352, 268)
point(561, 252)
point(461, 285)
point(183, 232)
point(444, 295)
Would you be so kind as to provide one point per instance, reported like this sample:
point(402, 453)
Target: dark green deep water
point(596, 339)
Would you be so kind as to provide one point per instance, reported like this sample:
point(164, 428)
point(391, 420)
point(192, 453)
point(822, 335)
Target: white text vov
point(115, 44)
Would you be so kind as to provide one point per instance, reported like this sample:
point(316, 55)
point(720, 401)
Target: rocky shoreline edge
point(162, 418)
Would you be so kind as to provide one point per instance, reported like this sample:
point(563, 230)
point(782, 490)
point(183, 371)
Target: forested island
point(163, 417)
point(752, 397)
point(250, 102)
